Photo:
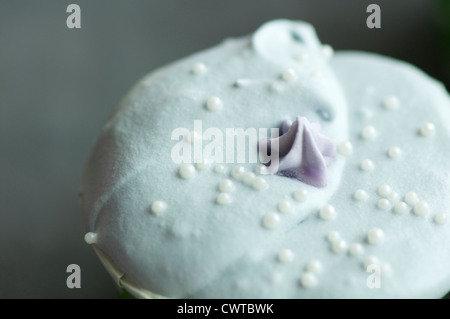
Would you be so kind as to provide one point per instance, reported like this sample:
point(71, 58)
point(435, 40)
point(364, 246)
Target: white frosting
point(202, 246)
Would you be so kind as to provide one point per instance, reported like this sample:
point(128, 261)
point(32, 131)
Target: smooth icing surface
point(234, 233)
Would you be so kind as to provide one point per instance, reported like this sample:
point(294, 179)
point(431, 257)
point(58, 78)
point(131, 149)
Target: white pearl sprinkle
point(301, 57)
point(223, 199)
point(259, 183)
point(159, 207)
point(371, 260)
point(384, 190)
point(289, 75)
point(199, 68)
point(333, 236)
point(286, 255)
point(384, 204)
point(391, 102)
point(226, 186)
point(375, 236)
point(401, 208)
point(314, 266)
point(356, 249)
point(220, 169)
point(214, 104)
point(248, 178)
point(308, 280)
point(394, 152)
point(284, 206)
point(187, 171)
point(239, 83)
point(238, 172)
point(271, 220)
point(300, 195)
point(327, 51)
point(411, 198)
point(339, 246)
point(360, 195)
point(393, 197)
point(202, 164)
point(440, 219)
point(345, 148)
point(261, 169)
point(90, 238)
point(327, 212)
point(369, 133)
point(367, 165)
point(427, 129)
point(421, 208)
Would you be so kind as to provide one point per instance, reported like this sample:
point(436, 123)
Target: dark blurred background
point(59, 85)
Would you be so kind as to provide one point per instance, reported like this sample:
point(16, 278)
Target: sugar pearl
point(371, 260)
point(308, 280)
point(199, 68)
point(427, 129)
point(240, 83)
point(90, 238)
point(393, 197)
point(261, 169)
point(440, 218)
point(345, 148)
point(187, 171)
point(384, 190)
point(421, 208)
point(226, 185)
point(360, 195)
point(369, 133)
point(286, 255)
point(401, 208)
point(259, 183)
point(367, 165)
point(394, 152)
point(327, 212)
point(300, 195)
point(202, 164)
point(333, 236)
point(214, 104)
point(223, 199)
point(271, 220)
point(339, 246)
point(159, 207)
point(327, 51)
point(375, 236)
point(356, 249)
point(284, 206)
point(220, 169)
point(314, 266)
point(384, 204)
point(411, 198)
point(289, 75)
point(248, 177)
point(238, 172)
point(391, 102)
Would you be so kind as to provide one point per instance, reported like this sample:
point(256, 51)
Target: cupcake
point(271, 166)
